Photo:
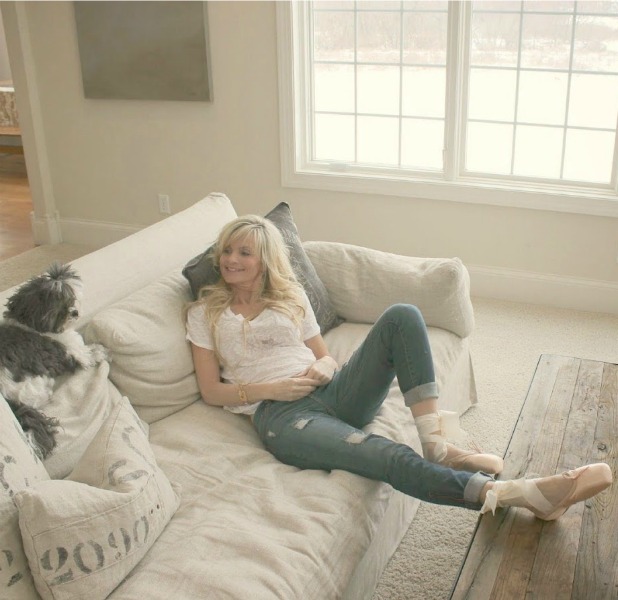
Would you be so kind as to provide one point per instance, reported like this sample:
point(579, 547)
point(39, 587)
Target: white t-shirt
point(267, 348)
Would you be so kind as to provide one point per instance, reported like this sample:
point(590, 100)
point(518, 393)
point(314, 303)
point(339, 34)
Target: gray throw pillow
point(200, 271)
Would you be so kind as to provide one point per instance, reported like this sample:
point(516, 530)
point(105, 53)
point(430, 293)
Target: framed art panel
point(144, 50)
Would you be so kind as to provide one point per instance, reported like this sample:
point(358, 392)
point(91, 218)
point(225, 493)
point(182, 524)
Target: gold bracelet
point(242, 394)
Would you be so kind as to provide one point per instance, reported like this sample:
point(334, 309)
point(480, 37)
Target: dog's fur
point(39, 429)
point(37, 345)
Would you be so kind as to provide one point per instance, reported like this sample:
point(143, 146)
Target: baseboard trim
point(94, 233)
point(588, 295)
point(46, 229)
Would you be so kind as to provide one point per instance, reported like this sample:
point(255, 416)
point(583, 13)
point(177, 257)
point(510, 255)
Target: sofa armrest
point(117, 270)
point(362, 283)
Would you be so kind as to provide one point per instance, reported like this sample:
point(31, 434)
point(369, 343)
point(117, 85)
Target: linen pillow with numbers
point(20, 468)
point(84, 534)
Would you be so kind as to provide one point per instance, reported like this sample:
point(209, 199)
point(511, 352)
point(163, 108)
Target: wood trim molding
point(93, 233)
point(588, 295)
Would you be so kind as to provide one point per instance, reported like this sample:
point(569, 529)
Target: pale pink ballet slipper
point(549, 497)
point(435, 428)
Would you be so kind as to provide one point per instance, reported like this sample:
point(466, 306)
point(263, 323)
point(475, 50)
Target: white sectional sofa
point(186, 503)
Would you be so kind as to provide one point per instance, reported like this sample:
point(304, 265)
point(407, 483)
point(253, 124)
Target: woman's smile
point(239, 264)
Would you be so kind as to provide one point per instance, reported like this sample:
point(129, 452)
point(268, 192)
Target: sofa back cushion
point(362, 283)
point(151, 360)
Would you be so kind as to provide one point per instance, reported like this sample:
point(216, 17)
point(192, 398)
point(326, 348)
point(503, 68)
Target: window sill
point(469, 190)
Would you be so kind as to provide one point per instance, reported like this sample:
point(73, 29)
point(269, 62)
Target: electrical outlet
point(164, 204)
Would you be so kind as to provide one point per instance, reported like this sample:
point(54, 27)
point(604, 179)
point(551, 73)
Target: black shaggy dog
point(38, 344)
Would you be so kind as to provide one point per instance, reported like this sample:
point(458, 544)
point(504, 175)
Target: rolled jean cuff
point(472, 491)
point(420, 393)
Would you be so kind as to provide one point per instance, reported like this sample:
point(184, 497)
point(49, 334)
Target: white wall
point(5, 67)
point(108, 160)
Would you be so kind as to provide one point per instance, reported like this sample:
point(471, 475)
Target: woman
point(258, 351)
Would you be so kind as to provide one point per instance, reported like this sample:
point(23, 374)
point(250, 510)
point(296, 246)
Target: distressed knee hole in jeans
point(302, 423)
point(356, 437)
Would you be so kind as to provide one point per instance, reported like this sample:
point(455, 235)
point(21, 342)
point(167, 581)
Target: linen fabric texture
point(81, 403)
point(145, 336)
point(201, 271)
point(83, 535)
point(20, 469)
point(363, 283)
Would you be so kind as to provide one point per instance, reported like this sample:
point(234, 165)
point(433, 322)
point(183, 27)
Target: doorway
point(16, 234)
point(15, 207)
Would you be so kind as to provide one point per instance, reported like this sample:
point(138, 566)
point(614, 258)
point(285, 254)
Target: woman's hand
point(292, 388)
point(322, 370)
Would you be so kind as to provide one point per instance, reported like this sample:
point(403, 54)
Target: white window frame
point(298, 172)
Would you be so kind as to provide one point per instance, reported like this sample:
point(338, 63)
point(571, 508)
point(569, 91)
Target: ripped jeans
point(323, 430)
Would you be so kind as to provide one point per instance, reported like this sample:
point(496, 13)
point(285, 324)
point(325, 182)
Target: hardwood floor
point(15, 206)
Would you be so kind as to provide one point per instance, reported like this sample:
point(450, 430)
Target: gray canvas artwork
point(144, 50)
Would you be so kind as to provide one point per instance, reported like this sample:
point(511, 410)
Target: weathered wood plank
point(523, 456)
point(489, 546)
point(553, 573)
point(596, 574)
point(479, 570)
point(538, 456)
point(569, 418)
point(520, 549)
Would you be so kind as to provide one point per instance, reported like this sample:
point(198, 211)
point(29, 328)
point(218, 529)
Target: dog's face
point(48, 303)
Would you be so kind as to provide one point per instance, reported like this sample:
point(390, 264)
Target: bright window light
point(503, 95)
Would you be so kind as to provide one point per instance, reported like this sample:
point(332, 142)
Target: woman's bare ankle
point(486, 488)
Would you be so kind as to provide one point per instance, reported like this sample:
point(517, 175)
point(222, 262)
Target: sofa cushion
point(151, 359)
point(200, 270)
point(249, 526)
point(81, 403)
point(125, 266)
point(83, 535)
point(362, 283)
point(20, 468)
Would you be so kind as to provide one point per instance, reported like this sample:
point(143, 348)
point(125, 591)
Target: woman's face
point(240, 266)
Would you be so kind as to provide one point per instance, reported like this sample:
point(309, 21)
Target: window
point(453, 100)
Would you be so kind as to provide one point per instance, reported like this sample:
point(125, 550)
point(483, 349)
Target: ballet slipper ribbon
point(437, 427)
point(449, 424)
point(518, 492)
point(491, 502)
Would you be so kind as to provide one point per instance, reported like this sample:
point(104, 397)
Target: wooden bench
point(569, 418)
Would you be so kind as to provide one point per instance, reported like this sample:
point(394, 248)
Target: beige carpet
point(33, 262)
point(507, 343)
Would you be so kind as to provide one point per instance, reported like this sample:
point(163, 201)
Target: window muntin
point(375, 92)
point(552, 91)
point(369, 59)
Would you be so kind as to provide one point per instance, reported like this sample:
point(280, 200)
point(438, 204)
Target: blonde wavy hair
point(279, 290)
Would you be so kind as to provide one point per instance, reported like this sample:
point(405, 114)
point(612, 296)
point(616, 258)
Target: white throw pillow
point(151, 359)
point(83, 535)
point(362, 283)
point(81, 403)
point(20, 468)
